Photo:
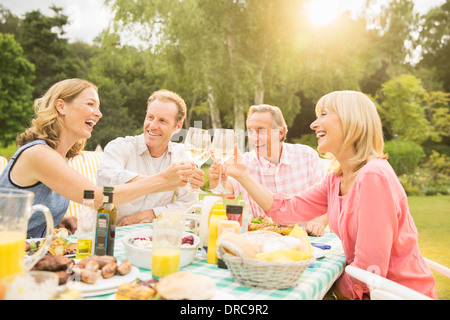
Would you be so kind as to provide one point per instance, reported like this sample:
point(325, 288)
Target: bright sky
point(89, 17)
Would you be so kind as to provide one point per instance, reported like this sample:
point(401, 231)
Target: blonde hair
point(47, 124)
point(361, 125)
point(164, 95)
point(277, 116)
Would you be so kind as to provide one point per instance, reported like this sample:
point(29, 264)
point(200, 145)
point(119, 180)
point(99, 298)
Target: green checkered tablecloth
point(313, 284)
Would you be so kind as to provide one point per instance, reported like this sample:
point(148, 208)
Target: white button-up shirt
point(126, 158)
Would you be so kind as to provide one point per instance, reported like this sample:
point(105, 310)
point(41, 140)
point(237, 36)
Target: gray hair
point(277, 116)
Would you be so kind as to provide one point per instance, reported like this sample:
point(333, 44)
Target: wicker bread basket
point(263, 274)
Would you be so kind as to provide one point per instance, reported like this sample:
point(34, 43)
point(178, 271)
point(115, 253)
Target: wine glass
point(223, 148)
point(197, 145)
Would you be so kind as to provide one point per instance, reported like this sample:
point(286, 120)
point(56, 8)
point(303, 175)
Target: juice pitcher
point(15, 211)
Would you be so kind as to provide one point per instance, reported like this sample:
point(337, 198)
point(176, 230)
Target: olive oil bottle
point(106, 224)
point(86, 226)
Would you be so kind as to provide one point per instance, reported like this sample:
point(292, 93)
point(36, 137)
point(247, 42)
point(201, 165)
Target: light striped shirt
point(299, 168)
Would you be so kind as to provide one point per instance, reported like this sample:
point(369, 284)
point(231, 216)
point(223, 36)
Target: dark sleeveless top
point(57, 204)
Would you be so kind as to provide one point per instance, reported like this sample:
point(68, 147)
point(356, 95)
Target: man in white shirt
point(151, 153)
point(279, 166)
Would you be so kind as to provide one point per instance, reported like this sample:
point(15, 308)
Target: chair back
point(382, 288)
point(439, 268)
point(86, 163)
point(3, 163)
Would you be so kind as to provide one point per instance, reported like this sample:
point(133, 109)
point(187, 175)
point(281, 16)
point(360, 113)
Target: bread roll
point(185, 285)
point(239, 246)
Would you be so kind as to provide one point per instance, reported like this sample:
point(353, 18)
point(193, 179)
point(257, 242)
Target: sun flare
point(322, 12)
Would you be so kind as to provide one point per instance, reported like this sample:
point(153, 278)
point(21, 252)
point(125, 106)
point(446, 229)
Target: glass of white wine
point(223, 148)
point(197, 145)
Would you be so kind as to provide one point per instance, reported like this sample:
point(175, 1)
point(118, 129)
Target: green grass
point(432, 218)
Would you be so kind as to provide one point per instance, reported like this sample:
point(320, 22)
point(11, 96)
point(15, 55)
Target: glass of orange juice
point(15, 210)
point(166, 246)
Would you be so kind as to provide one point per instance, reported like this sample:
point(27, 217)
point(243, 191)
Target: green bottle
point(106, 224)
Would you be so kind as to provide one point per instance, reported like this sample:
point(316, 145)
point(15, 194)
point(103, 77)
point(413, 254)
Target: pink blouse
point(373, 222)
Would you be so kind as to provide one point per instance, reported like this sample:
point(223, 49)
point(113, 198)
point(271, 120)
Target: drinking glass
point(15, 210)
point(166, 245)
point(223, 148)
point(33, 285)
point(197, 145)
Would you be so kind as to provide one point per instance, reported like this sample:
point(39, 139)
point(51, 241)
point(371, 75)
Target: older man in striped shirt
point(277, 165)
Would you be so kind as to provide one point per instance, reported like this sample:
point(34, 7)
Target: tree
point(434, 40)
point(43, 44)
point(125, 80)
point(9, 23)
point(437, 111)
point(402, 109)
point(228, 50)
point(391, 42)
point(16, 76)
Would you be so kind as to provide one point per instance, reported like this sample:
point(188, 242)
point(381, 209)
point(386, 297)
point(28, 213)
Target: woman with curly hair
point(65, 117)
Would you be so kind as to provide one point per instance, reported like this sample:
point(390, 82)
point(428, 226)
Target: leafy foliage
point(404, 156)
point(41, 38)
point(222, 56)
point(16, 75)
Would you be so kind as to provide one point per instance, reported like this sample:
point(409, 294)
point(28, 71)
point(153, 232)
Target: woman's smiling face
point(328, 129)
point(82, 113)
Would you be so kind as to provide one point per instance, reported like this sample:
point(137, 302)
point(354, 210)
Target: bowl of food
point(138, 248)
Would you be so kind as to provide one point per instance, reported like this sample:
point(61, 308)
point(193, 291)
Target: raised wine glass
point(197, 146)
point(223, 148)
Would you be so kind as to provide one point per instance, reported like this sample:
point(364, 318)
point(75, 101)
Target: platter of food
point(103, 285)
point(182, 285)
point(266, 224)
point(92, 276)
point(60, 246)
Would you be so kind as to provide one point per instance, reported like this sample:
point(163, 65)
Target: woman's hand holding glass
point(197, 145)
point(223, 149)
point(235, 167)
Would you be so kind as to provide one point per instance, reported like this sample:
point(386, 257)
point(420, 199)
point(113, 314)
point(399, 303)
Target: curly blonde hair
point(361, 124)
point(47, 124)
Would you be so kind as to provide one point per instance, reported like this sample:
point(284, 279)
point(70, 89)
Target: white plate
point(318, 253)
point(104, 286)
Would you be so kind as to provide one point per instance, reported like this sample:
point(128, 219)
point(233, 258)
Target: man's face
point(262, 136)
point(160, 125)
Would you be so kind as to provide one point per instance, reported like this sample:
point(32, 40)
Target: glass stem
point(220, 178)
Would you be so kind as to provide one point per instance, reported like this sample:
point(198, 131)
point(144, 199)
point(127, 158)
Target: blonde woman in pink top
point(366, 204)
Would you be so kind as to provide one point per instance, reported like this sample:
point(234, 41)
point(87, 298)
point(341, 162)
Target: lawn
point(432, 218)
